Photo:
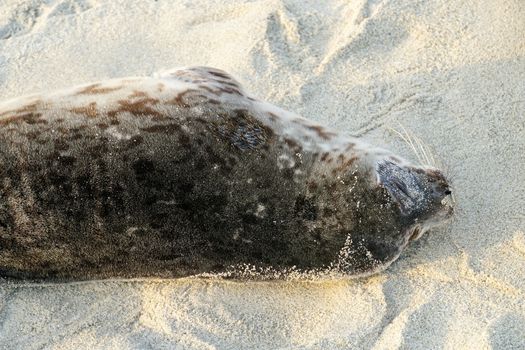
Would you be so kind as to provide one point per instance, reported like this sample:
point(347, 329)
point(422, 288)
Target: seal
point(185, 173)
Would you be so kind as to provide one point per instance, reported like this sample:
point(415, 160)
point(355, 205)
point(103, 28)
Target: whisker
point(425, 150)
point(408, 142)
point(432, 158)
point(419, 143)
point(411, 137)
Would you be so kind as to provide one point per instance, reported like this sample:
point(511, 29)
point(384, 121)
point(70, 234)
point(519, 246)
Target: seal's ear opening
point(403, 186)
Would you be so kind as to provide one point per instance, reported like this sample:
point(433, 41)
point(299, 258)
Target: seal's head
point(388, 210)
point(422, 194)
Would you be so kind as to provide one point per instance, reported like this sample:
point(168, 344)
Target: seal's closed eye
point(402, 184)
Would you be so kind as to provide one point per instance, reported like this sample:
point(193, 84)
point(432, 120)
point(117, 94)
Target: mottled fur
point(185, 173)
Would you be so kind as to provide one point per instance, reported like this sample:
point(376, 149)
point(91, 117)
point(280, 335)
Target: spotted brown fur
point(185, 175)
point(97, 89)
point(28, 118)
point(28, 108)
point(179, 99)
point(89, 111)
point(139, 108)
point(326, 135)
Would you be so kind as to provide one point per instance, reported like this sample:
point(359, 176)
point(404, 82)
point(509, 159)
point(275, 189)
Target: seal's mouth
point(415, 233)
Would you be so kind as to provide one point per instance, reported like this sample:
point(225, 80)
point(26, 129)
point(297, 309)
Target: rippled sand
point(449, 73)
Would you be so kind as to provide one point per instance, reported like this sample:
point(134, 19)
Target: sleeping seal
point(185, 173)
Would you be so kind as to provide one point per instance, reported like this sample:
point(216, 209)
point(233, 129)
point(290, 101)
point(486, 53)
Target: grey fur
point(190, 192)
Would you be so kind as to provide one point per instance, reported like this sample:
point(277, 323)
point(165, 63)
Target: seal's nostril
point(447, 192)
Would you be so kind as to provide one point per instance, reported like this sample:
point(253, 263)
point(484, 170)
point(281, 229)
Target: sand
point(452, 73)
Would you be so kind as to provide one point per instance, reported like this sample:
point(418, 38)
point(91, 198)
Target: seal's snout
point(436, 182)
point(419, 192)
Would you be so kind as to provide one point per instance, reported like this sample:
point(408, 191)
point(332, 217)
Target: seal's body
point(184, 174)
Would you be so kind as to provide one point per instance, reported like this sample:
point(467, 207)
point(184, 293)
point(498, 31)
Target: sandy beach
point(448, 73)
